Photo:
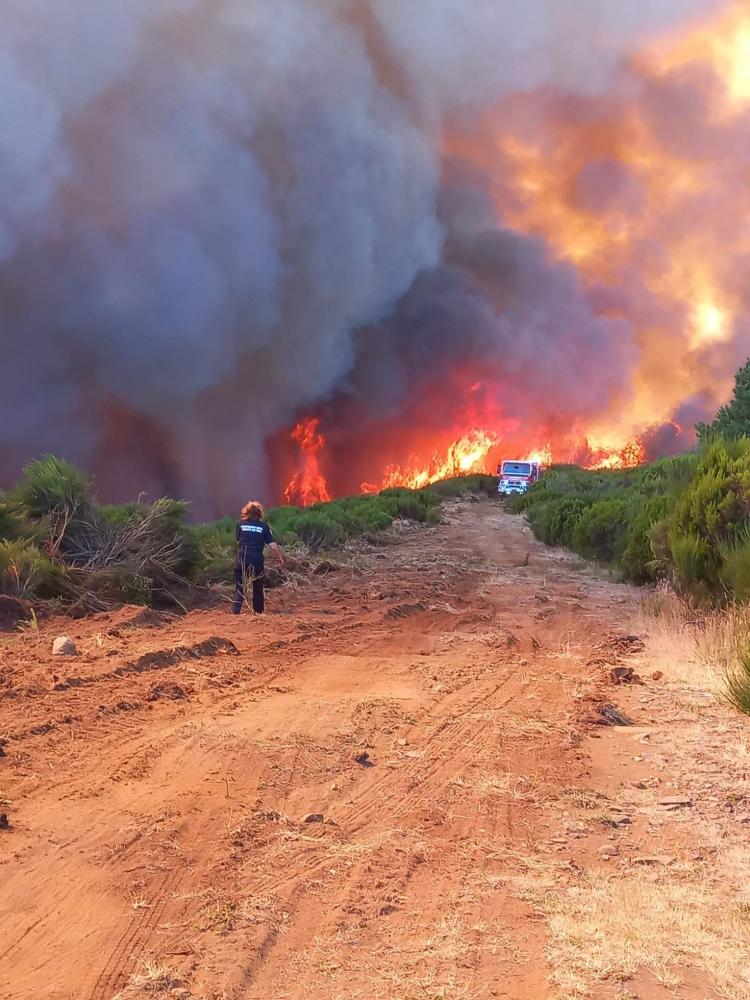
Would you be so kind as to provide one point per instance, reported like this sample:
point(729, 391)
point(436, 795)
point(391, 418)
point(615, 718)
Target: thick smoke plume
point(218, 214)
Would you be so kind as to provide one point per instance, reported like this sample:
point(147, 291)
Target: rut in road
point(467, 706)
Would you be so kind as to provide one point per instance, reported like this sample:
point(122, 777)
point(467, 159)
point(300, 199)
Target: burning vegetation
point(308, 249)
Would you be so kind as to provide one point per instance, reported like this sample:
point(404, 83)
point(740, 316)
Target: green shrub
point(318, 531)
point(460, 485)
point(540, 517)
point(706, 519)
point(735, 564)
point(100, 589)
point(693, 567)
point(25, 571)
point(565, 518)
point(50, 485)
point(737, 681)
point(639, 561)
point(601, 530)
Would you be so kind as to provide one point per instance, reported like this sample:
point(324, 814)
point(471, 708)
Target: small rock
point(675, 801)
point(313, 818)
point(609, 851)
point(621, 675)
point(363, 759)
point(657, 859)
point(616, 821)
point(4, 822)
point(657, 675)
point(403, 743)
point(64, 646)
point(166, 691)
point(334, 787)
point(612, 717)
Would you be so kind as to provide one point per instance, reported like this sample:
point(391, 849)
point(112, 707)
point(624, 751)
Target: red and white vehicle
point(517, 476)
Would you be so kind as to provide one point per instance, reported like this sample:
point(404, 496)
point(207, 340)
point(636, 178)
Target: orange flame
point(474, 452)
point(465, 456)
point(308, 485)
point(542, 457)
point(629, 457)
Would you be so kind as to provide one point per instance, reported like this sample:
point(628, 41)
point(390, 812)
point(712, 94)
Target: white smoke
point(202, 201)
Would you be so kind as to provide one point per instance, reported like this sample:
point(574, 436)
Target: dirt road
point(395, 785)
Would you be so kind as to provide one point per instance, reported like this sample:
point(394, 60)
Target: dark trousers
point(249, 568)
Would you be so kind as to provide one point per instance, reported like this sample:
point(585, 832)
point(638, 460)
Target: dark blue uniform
point(252, 538)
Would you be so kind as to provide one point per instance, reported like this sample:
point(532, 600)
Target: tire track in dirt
point(410, 833)
point(132, 943)
point(392, 794)
point(361, 805)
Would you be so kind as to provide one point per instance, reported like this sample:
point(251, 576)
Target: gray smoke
point(204, 202)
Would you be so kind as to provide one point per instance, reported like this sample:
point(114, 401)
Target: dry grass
point(220, 916)
point(611, 928)
point(152, 979)
point(706, 651)
point(689, 647)
point(585, 798)
point(505, 785)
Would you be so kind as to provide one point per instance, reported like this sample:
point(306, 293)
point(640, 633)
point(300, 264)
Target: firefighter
point(253, 534)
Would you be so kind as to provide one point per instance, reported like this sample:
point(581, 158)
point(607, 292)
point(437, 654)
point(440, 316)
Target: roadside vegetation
point(683, 521)
point(59, 545)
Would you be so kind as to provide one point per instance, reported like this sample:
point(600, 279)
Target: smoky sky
point(214, 213)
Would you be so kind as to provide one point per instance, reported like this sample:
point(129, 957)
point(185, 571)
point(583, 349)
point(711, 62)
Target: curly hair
point(252, 511)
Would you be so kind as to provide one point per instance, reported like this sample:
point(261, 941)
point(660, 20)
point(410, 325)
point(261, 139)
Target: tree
point(733, 420)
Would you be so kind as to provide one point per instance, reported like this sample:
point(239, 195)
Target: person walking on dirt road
point(253, 534)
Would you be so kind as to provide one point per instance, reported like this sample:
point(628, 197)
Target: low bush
point(25, 571)
point(51, 486)
point(638, 559)
point(91, 590)
point(737, 680)
point(685, 520)
point(318, 531)
point(57, 541)
point(608, 515)
point(601, 530)
point(461, 485)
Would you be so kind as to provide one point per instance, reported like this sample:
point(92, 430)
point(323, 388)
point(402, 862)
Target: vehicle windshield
point(516, 469)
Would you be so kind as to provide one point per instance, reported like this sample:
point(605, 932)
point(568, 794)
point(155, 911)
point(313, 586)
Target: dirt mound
point(167, 691)
point(156, 659)
point(405, 610)
point(168, 657)
point(130, 617)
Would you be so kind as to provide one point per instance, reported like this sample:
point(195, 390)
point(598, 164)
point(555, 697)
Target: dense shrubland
point(685, 520)
point(58, 544)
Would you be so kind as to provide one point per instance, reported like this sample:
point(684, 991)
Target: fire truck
point(517, 476)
